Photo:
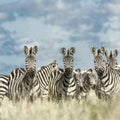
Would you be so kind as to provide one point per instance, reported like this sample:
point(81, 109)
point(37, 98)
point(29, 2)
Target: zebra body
point(41, 82)
point(55, 85)
point(15, 80)
point(3, 86)
point(109, 83)
point(68, 86)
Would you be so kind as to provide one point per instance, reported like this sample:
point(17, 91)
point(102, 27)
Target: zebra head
point(112, 58)
point(68, 58)
point(54, 66)
point(99, 60)
point(90, 78)
point(30, 59)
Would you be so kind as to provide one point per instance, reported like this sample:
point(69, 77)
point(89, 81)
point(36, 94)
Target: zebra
point(42, 79)
point(68, 86)
point(85, 81)
point(3, 86)
point(21, 79)
point(108, 84)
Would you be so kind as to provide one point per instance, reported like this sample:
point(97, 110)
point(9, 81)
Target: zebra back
point(15, 80)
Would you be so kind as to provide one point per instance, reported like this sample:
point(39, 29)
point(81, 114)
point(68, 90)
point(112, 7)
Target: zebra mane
point(30, 51)
point(68, 52)
point(111, 55)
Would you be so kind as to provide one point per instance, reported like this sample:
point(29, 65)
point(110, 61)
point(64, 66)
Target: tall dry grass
point(91, 109)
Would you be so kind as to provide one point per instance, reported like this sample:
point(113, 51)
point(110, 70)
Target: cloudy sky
point(52, 24)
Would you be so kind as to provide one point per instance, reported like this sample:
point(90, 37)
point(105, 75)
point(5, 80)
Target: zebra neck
point(27, 85)
point(31, 75)
point(28, 78)
point(68, 73)
point(86, 86)
point(107, 79)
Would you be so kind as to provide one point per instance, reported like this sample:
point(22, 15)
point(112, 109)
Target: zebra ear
point(90, 70)
point(63, 51)
point(25, 49)
point(93, 51)
point(78, 70)
point(115, 53)
point(99, 52)
point(106, 54)
point(72, 50)
point(103, 50)
point(35, 50)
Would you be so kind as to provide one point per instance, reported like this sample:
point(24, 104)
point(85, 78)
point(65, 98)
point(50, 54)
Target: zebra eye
point(53, 66)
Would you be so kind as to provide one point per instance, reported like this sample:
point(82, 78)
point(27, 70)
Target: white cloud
point(2, 37)
point(111, 35)
point(114, 8)
point(35, 31)
point(3, 16)
point(6, 1)
point(60, 5)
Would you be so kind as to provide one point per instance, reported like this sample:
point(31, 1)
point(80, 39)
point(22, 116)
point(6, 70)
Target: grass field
point(92, 109)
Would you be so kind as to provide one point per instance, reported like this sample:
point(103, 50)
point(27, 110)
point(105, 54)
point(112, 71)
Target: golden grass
point(92, 109)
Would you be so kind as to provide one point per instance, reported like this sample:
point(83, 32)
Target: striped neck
point(68, 73)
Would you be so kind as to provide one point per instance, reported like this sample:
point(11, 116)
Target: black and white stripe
point(54, 87)
point(41, 82)
point(108, 84)
point(15, 80)
point(3, 86)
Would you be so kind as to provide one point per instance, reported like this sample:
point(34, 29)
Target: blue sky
point(52, 24)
